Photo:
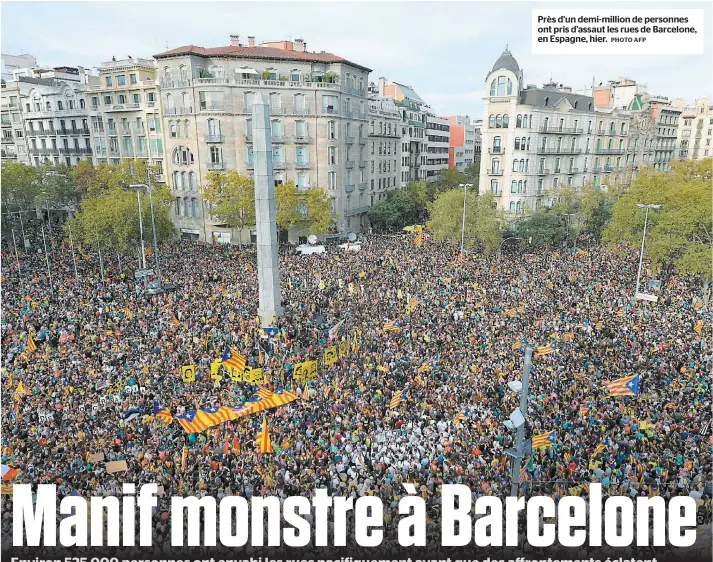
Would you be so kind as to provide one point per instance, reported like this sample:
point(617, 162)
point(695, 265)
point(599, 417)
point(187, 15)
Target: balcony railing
point(99, 152)
point(73, 131)
point(277, 110)
point(349, 187)
point(302, 165)
point(8, 139)
point(213, 138)
point(362, 186)
point(329, 110)
point(561, 150)
point(278, 138)
point(356, 211)
point(609, 151)
point(279, 165)
point(573, 171)
point(561, 130)
point(349, 163)
point(215, 165)
point(542, 171)
point(248, 137)
point(156, 153)
point(362, 141)
point(250, 165)
point(197, 81)
point(496, 150)
point(77, 111)
point(300, 111)
point(349, 140)
point(8, 154)
point(6, 124)
point(363, 163)
point(177, 110)
point(303, 139)
point(205, 107)
point(495, 172)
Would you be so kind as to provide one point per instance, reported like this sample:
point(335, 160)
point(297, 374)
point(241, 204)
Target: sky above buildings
point(444, 50)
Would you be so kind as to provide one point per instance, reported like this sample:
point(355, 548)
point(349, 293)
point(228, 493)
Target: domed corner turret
point(505, 78)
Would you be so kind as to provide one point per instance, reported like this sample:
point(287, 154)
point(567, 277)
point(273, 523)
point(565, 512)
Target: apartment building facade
point(437, 146)
point(14, 143)
point(606, 162)
point(464, 140)
point(385, 155)
point(125, 114)
point(533, 139)
point(318, 103)
point(694, 136)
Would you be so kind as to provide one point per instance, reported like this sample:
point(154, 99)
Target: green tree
point(679, 234)
point(482, 225)
point(110, 218)
point(19, 187)
point(450, 178)
point(286, 201)
point(472, 175)
point(232, 198)
point(545, 227)
point(319, 215)
point(57, 189)
point(400, 207)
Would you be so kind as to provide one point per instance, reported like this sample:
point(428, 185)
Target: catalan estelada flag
point(20, 391)
point(392, 326)
point(598, 449)
point(411, 306)
point(196, 421)
point(8, 472)
point(519, 344)
point(31, 343)
point(698, 328)
point(545, 349)
point(397, 399)
point(626, 386)
point(263, 438)
point(162, 414)
point(232, 359)
point(543, 440)
point(462, 416)
point(418, 239)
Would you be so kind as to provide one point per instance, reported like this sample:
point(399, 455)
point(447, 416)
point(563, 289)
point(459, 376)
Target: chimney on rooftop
point(299, 45)
point(251, 41)
point(234, 40)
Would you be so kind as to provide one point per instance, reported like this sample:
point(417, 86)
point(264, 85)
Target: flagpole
point(47, 259)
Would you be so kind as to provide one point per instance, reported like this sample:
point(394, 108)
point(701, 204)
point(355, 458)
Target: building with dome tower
point(536, 139)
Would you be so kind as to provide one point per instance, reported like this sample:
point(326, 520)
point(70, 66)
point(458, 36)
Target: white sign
point(617, 31)
point(646, 297)
point(222, 237)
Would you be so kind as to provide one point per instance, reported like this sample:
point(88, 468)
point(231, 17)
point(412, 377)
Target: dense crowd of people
point(454, 352)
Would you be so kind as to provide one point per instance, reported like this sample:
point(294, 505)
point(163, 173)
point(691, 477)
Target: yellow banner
point(235, 374)
point(188, 373)
point(330, 355)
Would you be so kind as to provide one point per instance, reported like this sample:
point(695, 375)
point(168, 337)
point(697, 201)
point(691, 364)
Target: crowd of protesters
point(459, 319)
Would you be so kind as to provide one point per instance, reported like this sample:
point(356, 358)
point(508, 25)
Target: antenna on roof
point(167, 45)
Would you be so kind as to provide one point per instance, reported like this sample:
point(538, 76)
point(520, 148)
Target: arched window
point(182, 156)
point(277, 128)
point(518, 207)
point(177, 210)
point(184, 180)
point(196, 207)
point(599, 144)
point(522, 166)
point(166, 74)
point(547, 101)
point(514, 165)
point(519, 186)
point(491, 121)
point(169, 101)
point(609, 144)
point(185, 100)
point(506, 121)
point(495, 163)
point(524, 121)
point(497, 143)
point(512, 206)
point(607, 163)
point(524, 186)
point(518, 121)
point(498, 121)
point(513, 187)
point(183, 72)
point(590, 107)
point(176, 180)
point(517, 143)
point(596, 163)
point(492, 87)
point(81, 103)
point(186, 128)
point(501, 85)
point(574, 142)
point(509, 87)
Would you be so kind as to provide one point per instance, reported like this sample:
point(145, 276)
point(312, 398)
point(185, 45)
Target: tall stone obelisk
point(267, 266)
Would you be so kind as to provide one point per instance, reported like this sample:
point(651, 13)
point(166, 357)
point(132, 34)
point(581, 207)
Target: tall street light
point(517, 422)
point(147, 187)
point(465, 187)
point(643, 240)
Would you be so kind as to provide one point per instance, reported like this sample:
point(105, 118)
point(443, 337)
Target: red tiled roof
point(268, 53)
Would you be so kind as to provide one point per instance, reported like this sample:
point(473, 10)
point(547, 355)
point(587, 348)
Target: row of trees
point(232, 200)
point(679, 234)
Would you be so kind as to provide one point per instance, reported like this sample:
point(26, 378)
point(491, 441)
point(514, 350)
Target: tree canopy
point(400, 207)
point(680, 232)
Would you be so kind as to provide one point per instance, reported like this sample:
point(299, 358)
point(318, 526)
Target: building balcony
point(362, 141)
point(561, 130)
point(349, 140)
point(329, 110)
point(177, 110)
point(495, 172)
point(543, 172)
point(8, 154)
point(100, 152)
point(142, 153)
point(112, 131)
point(363, 163)
point(76, 112)
point(496, 150)
point(300, 111)
point(303, 139)
point(156, 153)
point(126, 131)
point(356, 211)
point(213, 138)
point(349, 187)
point(278, 110)
point(209, 108)
point(8, 140)
point(573, 171)
point(561, 150)
point(349, 164)
point(175, 83)
point(250, 165)
point(362, 186)
point(6, 124)
point(279, 165)
point(114, 152)
point(248, 137)
point(608, 151)
point(215, 165)
point(278, 138)
point(301, 165)
point(73, 132)
point(42, 133)
point(216, 81)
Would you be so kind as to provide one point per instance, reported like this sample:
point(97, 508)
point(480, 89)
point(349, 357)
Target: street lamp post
point(17, 259)
point(148, 188)
point(514, 423)
point(643, 240)
point(71, 245)
point(465, 187)
point(47, 259)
